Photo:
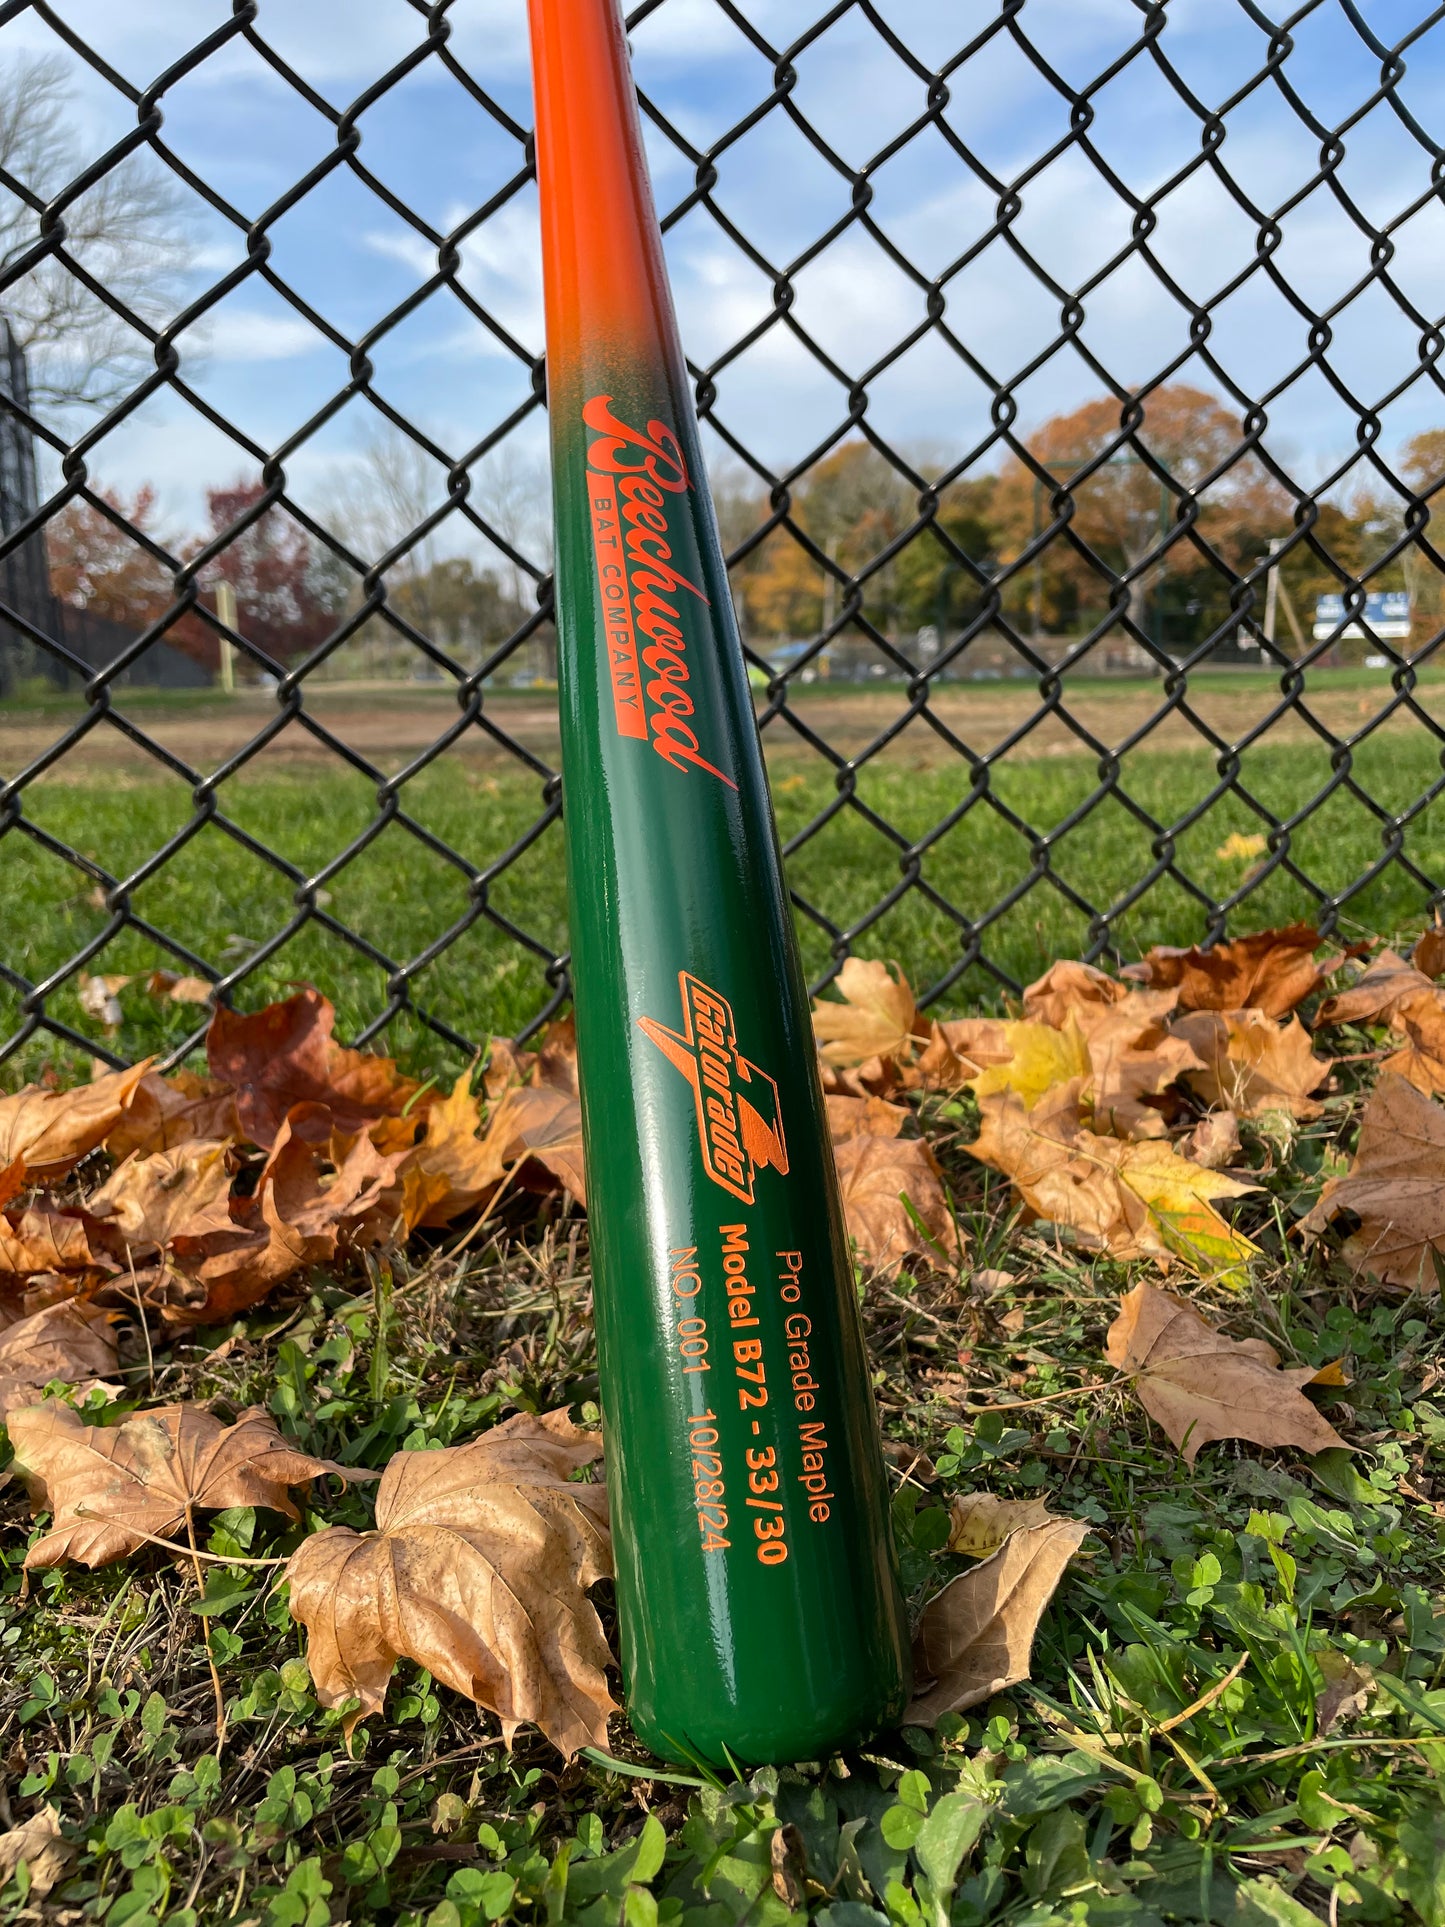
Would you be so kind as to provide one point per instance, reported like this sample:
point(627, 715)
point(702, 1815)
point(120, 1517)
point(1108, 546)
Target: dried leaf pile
point(1130, 1112)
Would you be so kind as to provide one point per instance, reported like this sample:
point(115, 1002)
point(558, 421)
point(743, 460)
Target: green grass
point(1170, 1759)
point(221, 901)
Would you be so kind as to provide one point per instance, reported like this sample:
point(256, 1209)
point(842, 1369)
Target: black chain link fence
point(1024, 619)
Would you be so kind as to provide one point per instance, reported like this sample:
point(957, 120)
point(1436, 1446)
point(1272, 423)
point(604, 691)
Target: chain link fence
point(1025, 653)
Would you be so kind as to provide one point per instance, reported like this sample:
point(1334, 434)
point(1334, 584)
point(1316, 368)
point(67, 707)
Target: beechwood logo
point(631, 477)
point(739, 1122)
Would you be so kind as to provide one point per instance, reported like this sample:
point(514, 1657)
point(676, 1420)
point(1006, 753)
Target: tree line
point(1049, 537)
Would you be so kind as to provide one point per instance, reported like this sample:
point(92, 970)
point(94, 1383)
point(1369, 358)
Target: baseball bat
point(759, 1610)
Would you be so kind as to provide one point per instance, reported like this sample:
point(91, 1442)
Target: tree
point(97, 566)
point(1122, 511)
point(126, 231)
point(288, 597)
point(852, 505)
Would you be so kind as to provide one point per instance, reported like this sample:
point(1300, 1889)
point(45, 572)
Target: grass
point(1026, 842)
point(1169, 1760)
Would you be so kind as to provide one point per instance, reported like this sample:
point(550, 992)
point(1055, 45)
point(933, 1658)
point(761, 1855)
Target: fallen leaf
point(304, 1208)
point(167, 986)
point(874, 1019)
point(180, 1193)
point(1133, 1062)
point(1040, 1058)
point(980, 1523)
point(1201, 1386)
point(1428, 956)
point(1348, 1689)
point(556, 1065)
point(1373, 999)
point(1214, 1141)
point(285, 1055)
point(1420, 1020)
point(863, 1117)
point(44, 1239)
point(1133, 1199)
point(1237, 848)
point(167, 1111)
point(70, 1342)
point(957, 1051)
point(38, 1845)
point(478, 1571)
point(507, 1064)
point(453, 1168)
point(99, 999)
point(991, 1279)
point(110, 1489)
point(1068, 989)
point(976, 1637)
point(542, 1124)
point(1249, 1064)
point(1271, 971)
point(875, 1174)
point(53, 1130)
point(1395, 1188)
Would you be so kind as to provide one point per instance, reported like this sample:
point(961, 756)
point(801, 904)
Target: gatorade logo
point(739, 1133)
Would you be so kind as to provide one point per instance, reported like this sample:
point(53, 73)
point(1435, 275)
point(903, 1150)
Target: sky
point(250, 134)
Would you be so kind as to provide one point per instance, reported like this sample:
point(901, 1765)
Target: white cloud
point(234, 334)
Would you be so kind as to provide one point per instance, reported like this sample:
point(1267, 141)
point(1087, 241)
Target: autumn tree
point(1123, 510)
point(289, 592)
point(96, 564)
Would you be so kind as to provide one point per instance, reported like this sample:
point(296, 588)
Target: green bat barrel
point(759, 1607)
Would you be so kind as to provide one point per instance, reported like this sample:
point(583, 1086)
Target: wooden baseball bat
point(760, 1613)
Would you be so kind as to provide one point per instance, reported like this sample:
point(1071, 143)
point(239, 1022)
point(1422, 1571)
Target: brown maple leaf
point(183, 1192)
point(874, 1020)
point(44, 1239)
point(317, 1192)
point(958, 1051)
point(1395, 1189)
point(39, 1846)
point(976, 1637)
point(1420, 1020)
point(1428, 956)
point(285, 1055)
point(1249, 1064)
point(1135, 1199)
point(477, 1570)
point(453, 1167)
point(863, 1116)
point(1272, 971)
point(167, 1111)
point(541, 1125)
point(1069, 989)
point(1374, 997)
point(71, 1343)
point(49, 1131)
point(111, 1489)
point(1201, 1386)
point(875, 1175)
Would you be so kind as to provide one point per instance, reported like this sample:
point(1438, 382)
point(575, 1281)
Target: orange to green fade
point(759, 1609)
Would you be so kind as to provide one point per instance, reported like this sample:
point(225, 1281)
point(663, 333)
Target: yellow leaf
point(980, 1523)
point(1042, 1057)
point(1238, 849)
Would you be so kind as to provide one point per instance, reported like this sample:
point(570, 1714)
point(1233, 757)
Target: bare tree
point(127, 231)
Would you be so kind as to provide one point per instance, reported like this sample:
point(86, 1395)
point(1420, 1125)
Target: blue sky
point(342, 249)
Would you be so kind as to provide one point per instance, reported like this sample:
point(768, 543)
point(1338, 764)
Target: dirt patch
point(388, 726)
